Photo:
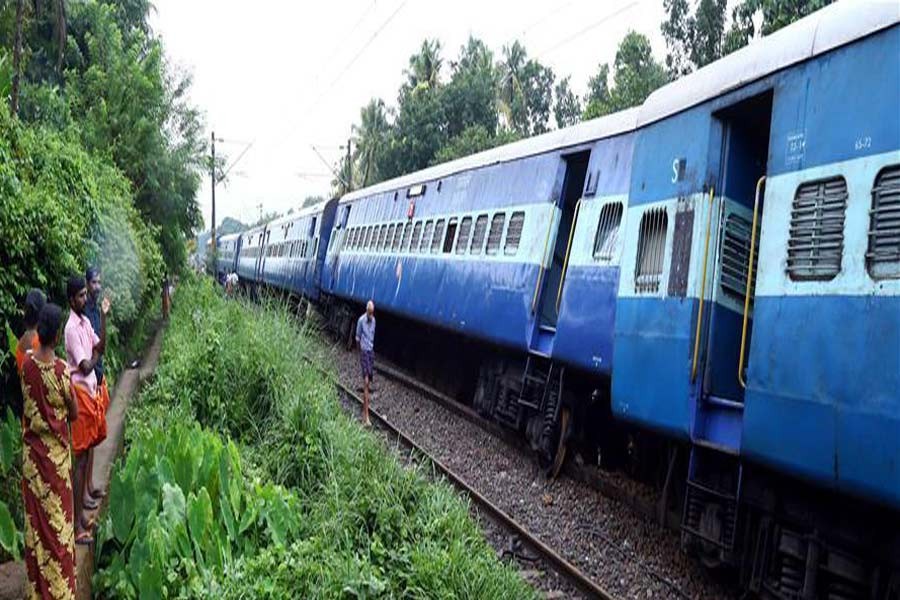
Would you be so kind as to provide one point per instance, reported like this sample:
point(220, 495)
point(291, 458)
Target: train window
point(478, 234)
point(495, 234)
point(883, 254)
point(356, 237)
point(367, 238)
point(651, 250)
point(416, 236)
point(735, 255)
point(382, 234)
point(426, 237)
point(607, 236)
point(407, 232)
point(462, 240)
point(514, 232)
point(438, 236)
point(451, 235)
point(398, 237)
point(816, 242)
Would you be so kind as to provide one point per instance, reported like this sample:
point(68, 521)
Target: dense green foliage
point(11, 513)
point(94, 72)
point(697, 32)
point(99, 159)
point(636, 75)
point(302, 503)
point(62, 208)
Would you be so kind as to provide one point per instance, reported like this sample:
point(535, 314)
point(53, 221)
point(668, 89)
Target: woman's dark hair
point(48, 323)
point(34, 302)
point(75, 285)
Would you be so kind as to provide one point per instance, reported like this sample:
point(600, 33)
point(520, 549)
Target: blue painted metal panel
point(843, 103)
point(584, 331)
point(489, 301)
point(813, 123)
point(823, 392)
point(653, 347)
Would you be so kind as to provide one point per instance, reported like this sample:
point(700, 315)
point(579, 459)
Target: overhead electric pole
point(213, 186)
point(349, 168)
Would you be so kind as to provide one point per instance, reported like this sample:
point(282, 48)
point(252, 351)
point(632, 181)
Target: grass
point(328, 511)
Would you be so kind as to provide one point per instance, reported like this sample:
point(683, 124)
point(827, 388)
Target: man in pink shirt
point(83, 349)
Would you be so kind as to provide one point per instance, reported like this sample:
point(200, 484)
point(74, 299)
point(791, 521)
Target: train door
point(572, 186)
point(744, 160)
point(337, 240)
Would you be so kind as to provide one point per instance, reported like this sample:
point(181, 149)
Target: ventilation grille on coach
point(514, 232)
point(735, 254)
point(651, 250)
point(883, 255)
point(816, 243)
point(607, 235)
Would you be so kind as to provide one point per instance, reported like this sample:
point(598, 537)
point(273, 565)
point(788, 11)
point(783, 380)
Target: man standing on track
point(365, 339)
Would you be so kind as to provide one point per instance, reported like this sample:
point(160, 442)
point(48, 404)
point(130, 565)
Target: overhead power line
point(569, 39)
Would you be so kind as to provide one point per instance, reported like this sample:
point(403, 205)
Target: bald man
point(365, 340)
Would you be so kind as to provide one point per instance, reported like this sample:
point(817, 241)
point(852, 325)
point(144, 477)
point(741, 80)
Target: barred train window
point(478, 234)
point(398, 235)
point(735, 254)
point(883, 254)
point(462, 240)
point(816, 242)
point(651, 250)
point(514, 232)
point(407, 231)
point(382, 234)
point(367, 242)
point(451, 234)
point(496, 232)
point(607, 236)
point(416, 236)
point(426, 237)
point(390, 237)
point(438, 236)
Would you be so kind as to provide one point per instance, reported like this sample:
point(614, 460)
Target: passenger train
point(718, 268)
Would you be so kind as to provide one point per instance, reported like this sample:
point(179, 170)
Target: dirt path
point(12, 575)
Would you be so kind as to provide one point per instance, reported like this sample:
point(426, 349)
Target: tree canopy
point(93, 70)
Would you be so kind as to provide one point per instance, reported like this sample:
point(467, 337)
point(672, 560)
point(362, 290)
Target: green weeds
point(322, 509)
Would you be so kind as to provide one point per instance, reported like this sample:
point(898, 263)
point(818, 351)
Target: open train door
point(724, 325)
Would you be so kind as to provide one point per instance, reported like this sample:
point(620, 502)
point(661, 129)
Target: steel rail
point(563, 566)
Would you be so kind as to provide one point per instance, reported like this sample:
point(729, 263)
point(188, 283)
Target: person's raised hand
point(105, 305)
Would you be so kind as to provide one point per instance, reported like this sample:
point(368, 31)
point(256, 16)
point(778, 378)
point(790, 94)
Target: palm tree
point(59, 29)
point(425, 67)
point(370, 136)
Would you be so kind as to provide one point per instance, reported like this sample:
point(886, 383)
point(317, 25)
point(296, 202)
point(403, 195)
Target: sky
point(288, 78)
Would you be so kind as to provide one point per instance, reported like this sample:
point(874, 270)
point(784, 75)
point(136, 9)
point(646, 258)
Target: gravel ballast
point(626, 554)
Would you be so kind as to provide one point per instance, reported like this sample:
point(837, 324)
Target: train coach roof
point(227, 238)
point(826, 29)
point(588, 131)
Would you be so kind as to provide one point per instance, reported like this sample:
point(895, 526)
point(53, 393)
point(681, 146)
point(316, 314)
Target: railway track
point(579, 580)
point(607, 531)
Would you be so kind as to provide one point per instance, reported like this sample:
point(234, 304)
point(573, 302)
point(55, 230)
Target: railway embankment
point(243, 477)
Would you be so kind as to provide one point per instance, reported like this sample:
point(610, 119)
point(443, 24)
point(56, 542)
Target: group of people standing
point(63, 414)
